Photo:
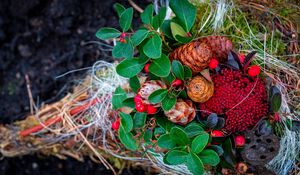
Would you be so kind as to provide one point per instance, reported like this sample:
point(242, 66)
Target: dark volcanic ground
point(44, 39)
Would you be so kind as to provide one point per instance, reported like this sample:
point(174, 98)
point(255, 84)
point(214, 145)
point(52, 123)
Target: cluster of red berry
point(141, 107)
point(122, 37)
point(239, 139)
point(242, 100)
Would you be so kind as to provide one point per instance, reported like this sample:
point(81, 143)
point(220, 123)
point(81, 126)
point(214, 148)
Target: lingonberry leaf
point(195, 164)
point(218, 149)
point(123, 50)
point(129, 102)
point(129, 67)
point(126, 122)
point(147, 15)
point(179, 136)
point(118, 98)
point(139, 36)
point(176, 157)
point(134, 84)
point(139, 119)
point(187, 72)
point(160, 67)
point(183, 39)
point(157, 96)
point(199, 143)
point(127, 139)
point(178, 69)
point(165, 141)
point(166, 28)
point(126, 19)
point(159, 18)
point(119, 8)
point(229, 153)
point(248, 60)
point(275, 99)
point(237, 60)
point(107, 33)
point(152, 48)
point(185, 12)
point(148, 135)
point(232, 62)
point(170, 78)
point(193, 129)
point(177, 30)
point(168, 103)
point(209, 157)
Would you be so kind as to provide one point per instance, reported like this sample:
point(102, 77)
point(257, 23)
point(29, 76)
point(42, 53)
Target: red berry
point(151, 109)
point(239, 141)
point(276, 117)
point(177, 83)
point(123, 35)
point(122, 40)
point(217, 133)
point(137, 99)
point(242, 57)
point(188, 34)
point(140, 107)
point(146, 67)
point(254, 70)
point(116, 125)
point(213, 63)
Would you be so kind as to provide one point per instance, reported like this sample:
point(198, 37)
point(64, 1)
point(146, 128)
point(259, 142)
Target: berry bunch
point(141, 107)
point(122, 37)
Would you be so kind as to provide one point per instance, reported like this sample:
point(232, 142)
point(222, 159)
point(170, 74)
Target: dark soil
point(44, 39)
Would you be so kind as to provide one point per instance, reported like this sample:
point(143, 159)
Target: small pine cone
point(182, 113)
point(220, 46)
point(195, 55)
point(200, 89)
point(148, 87)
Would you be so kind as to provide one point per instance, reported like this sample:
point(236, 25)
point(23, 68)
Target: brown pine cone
point(200, 89)
point(182, 113)
point(195, 55)
point(148, 87)
point(220, 46)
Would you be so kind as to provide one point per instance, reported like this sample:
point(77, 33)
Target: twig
point(31, 101)
point(135, 6)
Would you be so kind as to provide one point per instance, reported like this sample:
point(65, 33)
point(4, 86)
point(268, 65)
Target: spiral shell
point(200, 89)
point(182, 113)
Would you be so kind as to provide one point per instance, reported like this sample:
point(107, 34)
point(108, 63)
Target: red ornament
point(140, 107)
point(242, 57)
point(176, 83)
point(146, 67)
point(254, 70)
point(216, 133)
point(122, 40)
point(123, 35)
point(116, 125)
point(137, 99)
point(151, 109)
point(239, 141)
point(213, 63)
point(276, 117)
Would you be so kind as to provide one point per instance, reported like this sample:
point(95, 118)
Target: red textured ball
point(217, 133)
point(146, 67)
point(123, 35)
point(242, 100)
point(116, 125)
point(213, 63)
point(151, 109)
point(177, 83)
point(239, 141)
point(254, 71)
point(137, 99)
point(140, 107)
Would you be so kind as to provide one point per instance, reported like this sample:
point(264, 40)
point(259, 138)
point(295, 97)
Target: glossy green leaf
point(166, 28)
point(148, 135)
point(157, 96)
point(199, 143)
point(107, 33)
point(134, 84)
point(139, 36)
point(123, 50)
point(218, 149)
point(129, 102)
point(139, 119)
point(275, 99)
point(127, 139)
point(177, 30)
point(179, 136)
point(147, 14)
point(176, 157)
point(193, 130)
point(170, 78)
point(118, 98)
point(126, 19)
point(168, 103)
point(178, 69)
point(129, 67)
point(229, 154)
point(119, 8)
point(165, 141)
point(183, 39)
point(160, 67)
point(187, 72)
point(126, 122)
point(159, 18)
point(209, 157)
point(159, 131)
point(195, 164)
point(152, 48)
point(185, 12)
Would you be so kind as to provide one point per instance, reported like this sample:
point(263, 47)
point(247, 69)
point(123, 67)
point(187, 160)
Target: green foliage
point(168, 103)
point(118, 98)
point(160, 67)
point(123, 50)
point(130, 67)
point(134, 83)
point(139, 36)
point(209, 157)
point(126, 122)
point(158, 95)
point(126, 19)
point(152, 48)
point(139, 119)
point(107, 33)
point(147, 15)
point(176, 157)
point(195, 164)
point(178, 69)
point(179, 136)
point(127, 139)
point(200, 142)
point(166, 142)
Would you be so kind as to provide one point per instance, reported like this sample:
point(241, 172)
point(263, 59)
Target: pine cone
point(195, 55)
point(148, 87)
point(200, 89)
point(182, 113)
point(220, 46)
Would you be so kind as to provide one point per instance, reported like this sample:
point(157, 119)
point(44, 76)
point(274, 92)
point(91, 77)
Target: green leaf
point(176, 157)
point(134, 84)
point(139, 119)
point(107, 33)
point(178, 69)
point(168, 103)
point(275, 99)
point(159, 18)
point(199, 143)
point(193, 129)
point(148, 135)
point(127, 139)
point(183, 39)
point(129, 102)
point(123, 50)
point(152, 48)
point(170, 78)
point(119, 8)
point(185, 12)
point(126, 19)
point(129, 67)
point(165, 141)
point(218, 149)
point(157, 96)
point(187, 72)
point(229, 155)
point(177, 30)
point(118, 98)
point(179, 136)
point(209, 157)
point(160, 67)
point(166, 28)
point(126, 122)
point(159, 131)
point(147, 14)
point(182, 94)
point(139, 36)
point(195, 164)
